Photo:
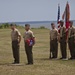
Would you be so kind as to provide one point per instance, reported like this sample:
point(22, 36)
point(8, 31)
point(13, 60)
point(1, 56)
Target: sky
point(33, 10)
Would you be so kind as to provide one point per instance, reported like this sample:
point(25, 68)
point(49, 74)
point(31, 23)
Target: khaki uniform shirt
point(53, 34)
point(14, 34)
point(62, 30)
point(71, 32)
point(28, 35)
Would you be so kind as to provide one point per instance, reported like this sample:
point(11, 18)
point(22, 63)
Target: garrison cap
point(12, 24)
point(27, 25)
point(52, 23)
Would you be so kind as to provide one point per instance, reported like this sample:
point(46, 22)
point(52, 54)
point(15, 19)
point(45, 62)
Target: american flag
point(58, 18)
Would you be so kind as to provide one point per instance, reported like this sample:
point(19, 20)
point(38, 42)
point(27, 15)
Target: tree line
point(4, 25)
point(7, 25)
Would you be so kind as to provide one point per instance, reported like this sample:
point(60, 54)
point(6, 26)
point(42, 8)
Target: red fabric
point(67, 18)
point(66, 15)
point(67, 12)
point(28, 41)
point(67, 26)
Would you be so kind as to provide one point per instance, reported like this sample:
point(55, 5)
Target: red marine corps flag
point(66, 16)
point(58, 18)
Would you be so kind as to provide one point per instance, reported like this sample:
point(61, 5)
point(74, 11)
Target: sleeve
point(18, 33)
point(32, 35)
point(57, 32)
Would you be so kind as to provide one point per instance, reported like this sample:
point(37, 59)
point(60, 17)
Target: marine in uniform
point(63, 44)
point(16, 39)
point(71, 40)
point(53, 42)
point(29, 40)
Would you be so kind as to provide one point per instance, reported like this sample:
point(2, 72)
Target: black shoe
point(15, 63)
point(71, 58)
point(29, 64)
point(54, 58)
point(51, 58)
point(60, 58)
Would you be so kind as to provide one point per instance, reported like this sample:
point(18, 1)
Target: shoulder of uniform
point(56, 29)
point(30, 31)
point(16, 29)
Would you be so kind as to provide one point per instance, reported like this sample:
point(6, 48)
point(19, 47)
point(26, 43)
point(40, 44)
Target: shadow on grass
point(42, 59)
point(53, 59)
point(10, 64)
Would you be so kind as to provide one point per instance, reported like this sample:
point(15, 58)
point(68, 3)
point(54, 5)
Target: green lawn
point(42, 65)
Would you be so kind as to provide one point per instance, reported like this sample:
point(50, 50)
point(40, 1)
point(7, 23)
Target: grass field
point(42, 64)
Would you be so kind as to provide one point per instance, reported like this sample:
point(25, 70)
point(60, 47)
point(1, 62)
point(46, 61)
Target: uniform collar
point(14, 29)
point(28, 30)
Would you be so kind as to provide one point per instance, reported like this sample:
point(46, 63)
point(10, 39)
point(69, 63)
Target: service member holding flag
point(71, 40)
point(29, 40)
point(63, 44)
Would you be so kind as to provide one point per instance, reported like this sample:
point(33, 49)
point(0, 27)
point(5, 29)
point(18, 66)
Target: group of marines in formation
point(55, 38)
point(64, 37)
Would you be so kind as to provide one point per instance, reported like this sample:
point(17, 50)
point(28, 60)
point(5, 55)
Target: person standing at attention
point(16, 39)
point(53, 42)
point(29, 40)
point(71, 40)
point(63, 44)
